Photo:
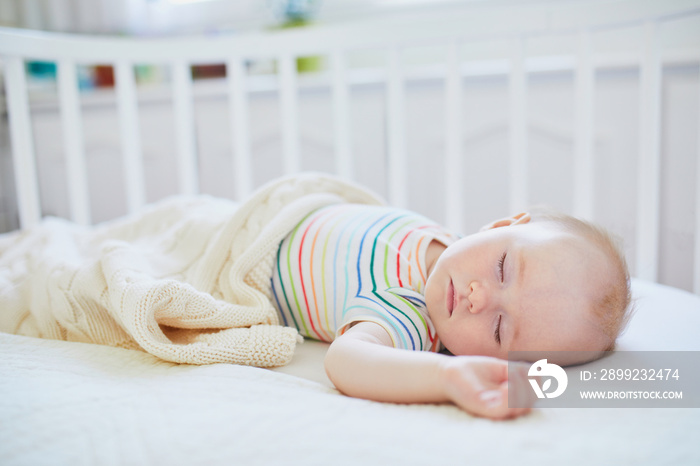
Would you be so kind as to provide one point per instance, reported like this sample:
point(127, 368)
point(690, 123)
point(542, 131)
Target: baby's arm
point(364, 364)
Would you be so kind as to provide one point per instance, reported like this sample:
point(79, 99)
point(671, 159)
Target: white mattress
point(73, 403)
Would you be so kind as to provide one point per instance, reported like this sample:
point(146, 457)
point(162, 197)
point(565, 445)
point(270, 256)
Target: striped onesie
point(349, 263)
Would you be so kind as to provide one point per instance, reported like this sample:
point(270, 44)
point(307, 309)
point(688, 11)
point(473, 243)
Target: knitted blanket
point(186, 279)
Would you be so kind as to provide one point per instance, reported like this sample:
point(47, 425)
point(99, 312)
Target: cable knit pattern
point(186, 279)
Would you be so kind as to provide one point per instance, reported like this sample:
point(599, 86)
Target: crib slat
point(454, 170)
point(397, 166)
point(130, 137)
point(78, 192)
point(584, 168)
point(648, 181)
point(238, 103)
point(341, 117)
point(22, 143)
point(185, 128)
point(290, 114)
point(518, 170)
point(696, 261)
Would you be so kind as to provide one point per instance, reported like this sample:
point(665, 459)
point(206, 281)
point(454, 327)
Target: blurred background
point(164, 17)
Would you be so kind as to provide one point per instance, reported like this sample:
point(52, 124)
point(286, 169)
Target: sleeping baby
point(414, 312)
point(417, 314)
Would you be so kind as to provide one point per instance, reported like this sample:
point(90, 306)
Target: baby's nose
point(478, 297)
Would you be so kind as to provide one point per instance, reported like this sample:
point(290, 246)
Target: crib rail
point(517, 24)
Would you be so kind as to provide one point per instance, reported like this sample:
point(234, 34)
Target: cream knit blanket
point(187, 279)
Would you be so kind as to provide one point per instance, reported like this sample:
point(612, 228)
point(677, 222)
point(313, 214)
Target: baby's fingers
point(520, 393)
point(481, 387)
point(495, 404)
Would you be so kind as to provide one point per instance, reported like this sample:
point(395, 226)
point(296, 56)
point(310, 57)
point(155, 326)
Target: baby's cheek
point(468, 342)
point(460, 343)
point(431, 301)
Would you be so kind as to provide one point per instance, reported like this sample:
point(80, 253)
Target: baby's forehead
point(553, 250)
point(547, 233)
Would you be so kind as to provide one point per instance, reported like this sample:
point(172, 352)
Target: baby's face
point(524, 287)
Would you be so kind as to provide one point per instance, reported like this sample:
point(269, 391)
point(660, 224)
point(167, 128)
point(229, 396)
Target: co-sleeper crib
point(81, 404)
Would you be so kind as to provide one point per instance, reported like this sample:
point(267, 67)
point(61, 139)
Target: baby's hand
point(479, 385)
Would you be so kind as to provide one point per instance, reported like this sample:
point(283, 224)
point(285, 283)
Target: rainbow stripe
point(348, 263)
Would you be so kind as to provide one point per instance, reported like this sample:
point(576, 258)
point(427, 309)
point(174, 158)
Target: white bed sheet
point(74, 403)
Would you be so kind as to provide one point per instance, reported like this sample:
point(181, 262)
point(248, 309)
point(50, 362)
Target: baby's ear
point(517, 219)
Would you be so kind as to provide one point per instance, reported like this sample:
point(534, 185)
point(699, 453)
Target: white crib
point(466, 113)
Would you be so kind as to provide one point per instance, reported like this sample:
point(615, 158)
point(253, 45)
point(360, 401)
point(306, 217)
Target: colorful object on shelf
point(295, 14)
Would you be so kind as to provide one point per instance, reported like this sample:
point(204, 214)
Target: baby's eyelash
point(497, 333)
point(501, 261)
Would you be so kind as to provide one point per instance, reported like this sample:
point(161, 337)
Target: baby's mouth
point(450, 298)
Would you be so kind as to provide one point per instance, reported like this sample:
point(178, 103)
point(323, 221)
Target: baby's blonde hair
point(613, 308)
